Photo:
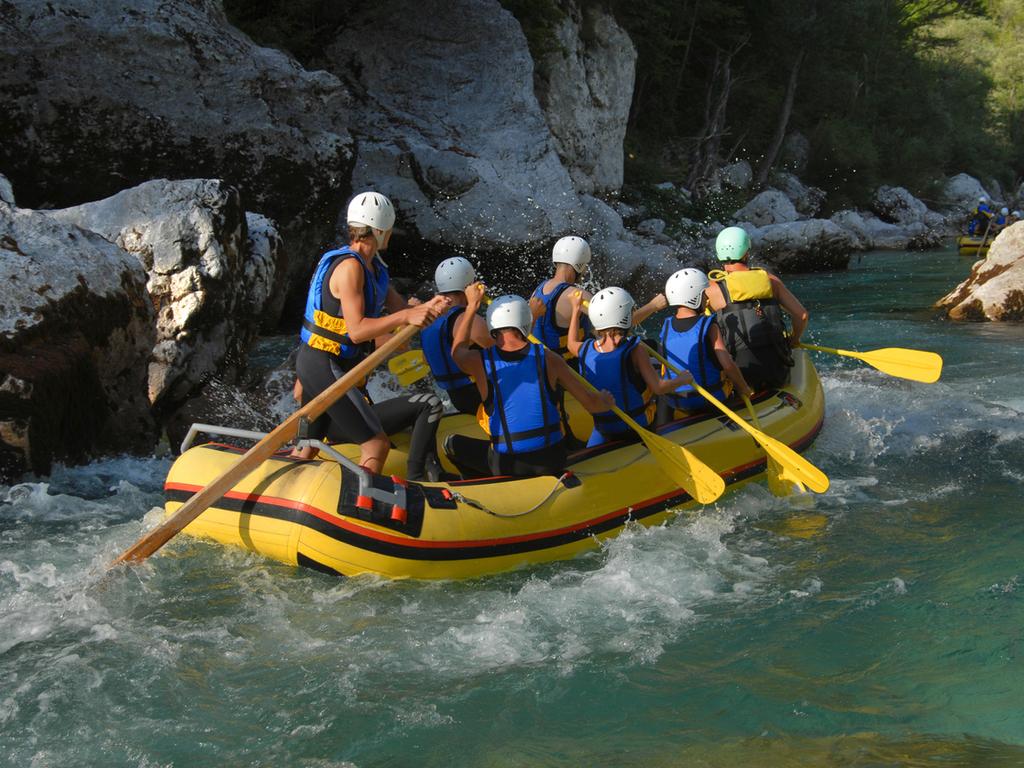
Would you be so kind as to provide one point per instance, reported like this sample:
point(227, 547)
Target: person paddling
point(350, 304)
point(452, 276)
point(749, 304)
point(518, 381)
point(616, 361)
point(980, 218)
point(692, 341)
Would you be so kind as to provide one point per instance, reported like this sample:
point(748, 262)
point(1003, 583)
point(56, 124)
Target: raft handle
point(210, 429)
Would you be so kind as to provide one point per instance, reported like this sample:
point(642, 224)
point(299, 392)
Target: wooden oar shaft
point(259, 453)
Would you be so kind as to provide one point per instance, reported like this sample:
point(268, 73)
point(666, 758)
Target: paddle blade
point(786, 467)
point(779, 483)
point(412, 359)
point(412, 375)
point(409, 367)
point(913, 364)
point(684, 469)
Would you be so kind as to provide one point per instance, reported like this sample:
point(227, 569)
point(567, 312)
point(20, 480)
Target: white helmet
point(685, 288)
point(371, 209)
point(509, 312)
point(611, 308)
point(982, 199)
point(454, 274)
point(1004, 211)
point(571, 250)
point(1016, 214)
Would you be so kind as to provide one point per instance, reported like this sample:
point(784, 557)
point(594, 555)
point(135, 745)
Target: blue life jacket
point(688, 351)
point(981, 215)
point(520, 404)
point(546, 328)
point(323, 325)
point(613, 371)
point(436, 340)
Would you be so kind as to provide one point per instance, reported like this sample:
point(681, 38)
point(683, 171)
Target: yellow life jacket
point(745, 285)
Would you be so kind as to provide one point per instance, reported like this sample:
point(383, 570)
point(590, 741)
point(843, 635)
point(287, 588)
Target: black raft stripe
point(392, 549)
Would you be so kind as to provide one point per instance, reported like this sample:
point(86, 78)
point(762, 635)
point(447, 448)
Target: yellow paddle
point(682, 467)
point(780, 483)
point(913, 364)
point(785, 466)
point(259, 453)
point(409, 367)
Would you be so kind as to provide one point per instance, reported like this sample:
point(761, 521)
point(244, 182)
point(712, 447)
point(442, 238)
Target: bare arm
point(470, 361)
point(656, 304)
point(563, 307)
point(574, 344)
point(479, 334)
point(729, 367)
point(589, 398)
point(462, 333)
point(792, 305)
point(655, 384)
point(347, 287)
point(715, 297)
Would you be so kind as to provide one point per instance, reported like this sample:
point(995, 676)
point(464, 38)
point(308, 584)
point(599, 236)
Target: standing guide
point(351, 303)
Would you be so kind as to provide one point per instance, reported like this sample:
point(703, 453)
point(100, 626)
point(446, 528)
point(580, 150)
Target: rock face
point(6, 191)
point(101, 96)
point(813, 245)
point(855, 225)
point(619, 255)
point(870, 232)
point(995, 288)
point(807, 200)
point(738, 175)
point(76, 330)
point(962, 192)
point(485, 175)
point(768, 207)
point(585, 87)
point(208, 276)
point(896, 205)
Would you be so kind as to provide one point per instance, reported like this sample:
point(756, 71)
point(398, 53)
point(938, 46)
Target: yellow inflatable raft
point(971, 245)
point(318, 513)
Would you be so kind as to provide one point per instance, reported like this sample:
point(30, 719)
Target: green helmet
point(732, 244)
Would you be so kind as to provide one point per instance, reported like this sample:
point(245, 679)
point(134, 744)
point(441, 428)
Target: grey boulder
point(76, 331)
point(995, 288)
point(208, 276)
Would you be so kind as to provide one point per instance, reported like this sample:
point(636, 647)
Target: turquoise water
point(879, 624)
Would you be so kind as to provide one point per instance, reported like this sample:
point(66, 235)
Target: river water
point(879, 624)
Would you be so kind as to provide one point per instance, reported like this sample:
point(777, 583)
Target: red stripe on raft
point(406, 541)
point(333, 519)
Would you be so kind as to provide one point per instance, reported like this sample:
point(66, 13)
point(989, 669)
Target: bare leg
point(373, 452)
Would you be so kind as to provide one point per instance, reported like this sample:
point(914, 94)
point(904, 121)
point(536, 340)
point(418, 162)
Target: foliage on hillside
point(886, 90)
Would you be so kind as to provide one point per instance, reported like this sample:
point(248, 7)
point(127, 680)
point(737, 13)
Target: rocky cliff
point(102, 96)
point(995, 288)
